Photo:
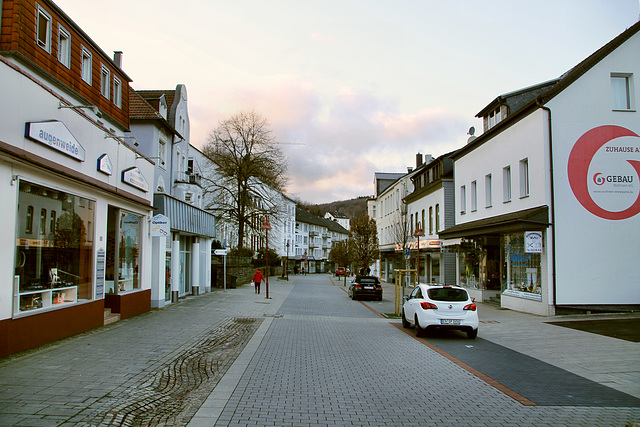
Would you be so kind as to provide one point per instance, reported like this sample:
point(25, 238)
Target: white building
point(314, 237)
point(181, 258)
point(77, 194)
point(548, 198)
point(340, 218)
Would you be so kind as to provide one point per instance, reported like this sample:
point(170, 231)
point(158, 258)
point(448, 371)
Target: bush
point(241, 252)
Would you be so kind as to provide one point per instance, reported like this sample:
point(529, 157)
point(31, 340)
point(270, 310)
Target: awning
point(526, 220)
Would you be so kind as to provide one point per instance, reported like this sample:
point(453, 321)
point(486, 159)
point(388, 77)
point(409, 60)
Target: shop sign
point(100, 261)
point(104, 164)
point(130, 225)
point(133, 176)
point(55, 134)
point(533, 242)
point(160, 226)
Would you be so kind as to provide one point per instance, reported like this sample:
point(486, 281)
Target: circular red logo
point(578, 169)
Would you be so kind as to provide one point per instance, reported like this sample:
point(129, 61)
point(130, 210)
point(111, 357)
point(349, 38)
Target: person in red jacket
point(257, 279)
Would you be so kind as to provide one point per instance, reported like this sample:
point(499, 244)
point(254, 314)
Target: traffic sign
point(220, 252)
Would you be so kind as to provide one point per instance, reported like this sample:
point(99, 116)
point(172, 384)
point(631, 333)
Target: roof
point(170, 95)
point(140, 109)
point(308, 218)
point(554, 88)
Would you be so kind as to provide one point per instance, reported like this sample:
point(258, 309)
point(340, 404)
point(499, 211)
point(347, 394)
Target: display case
point(37, 296)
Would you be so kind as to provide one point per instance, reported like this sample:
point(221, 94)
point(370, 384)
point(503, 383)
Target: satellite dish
point(472, 130)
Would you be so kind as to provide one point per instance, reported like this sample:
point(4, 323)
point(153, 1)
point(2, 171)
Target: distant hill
point(350, 208)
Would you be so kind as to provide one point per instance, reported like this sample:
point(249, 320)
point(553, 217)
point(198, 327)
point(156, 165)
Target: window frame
point(105, 81)
point(86, 72)
point(628, 97)
point(42, 13)
point(117, 92)
point(463, 199)
point(64, 39)
point(524, 178)
point(506, 184)
point(488, 196)
point(474, 196)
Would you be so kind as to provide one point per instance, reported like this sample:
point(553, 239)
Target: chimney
point(428, 158)
point(418, 160)
point(117, 58)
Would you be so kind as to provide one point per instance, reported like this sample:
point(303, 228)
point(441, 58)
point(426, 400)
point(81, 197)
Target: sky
point(349, 87)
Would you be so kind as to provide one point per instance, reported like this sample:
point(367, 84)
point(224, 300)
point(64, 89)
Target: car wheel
point(419, 331)
point(472, 334)
point(405, 322)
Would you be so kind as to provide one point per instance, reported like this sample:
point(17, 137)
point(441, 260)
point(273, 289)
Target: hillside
point(351, 208)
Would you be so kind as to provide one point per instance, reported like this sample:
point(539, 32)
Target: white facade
point(550, 196)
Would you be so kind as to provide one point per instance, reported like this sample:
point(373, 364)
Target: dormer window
point(494, 117)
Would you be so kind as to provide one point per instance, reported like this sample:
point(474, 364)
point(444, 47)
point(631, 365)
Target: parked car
point(340, 271)
point(365, 287)
point(430, 307)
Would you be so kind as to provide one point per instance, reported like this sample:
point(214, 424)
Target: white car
point(430, 307)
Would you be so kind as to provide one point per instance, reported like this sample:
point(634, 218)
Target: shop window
point(522, 270)
point(54, 269)
point(44, 29)
point(129, 252)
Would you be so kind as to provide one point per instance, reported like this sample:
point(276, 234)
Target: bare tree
point(249, 167)
point(363, 242)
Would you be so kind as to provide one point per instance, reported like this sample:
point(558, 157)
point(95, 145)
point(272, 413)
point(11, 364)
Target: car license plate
point(368, 287)
point(449, 321)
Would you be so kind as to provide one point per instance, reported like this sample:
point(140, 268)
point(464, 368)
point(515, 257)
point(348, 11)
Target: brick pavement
point(307, 356)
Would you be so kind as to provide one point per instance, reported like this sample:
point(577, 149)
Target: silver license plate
point(368, 287)
point(449, 321)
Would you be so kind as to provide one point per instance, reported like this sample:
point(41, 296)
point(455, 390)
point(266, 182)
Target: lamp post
point(266, 225)
point(417, 233)
point(286, 263)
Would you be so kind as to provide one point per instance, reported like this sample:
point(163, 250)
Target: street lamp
point(417, 233)
point(266, 225)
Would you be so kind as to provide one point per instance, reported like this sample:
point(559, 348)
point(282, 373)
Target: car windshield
point(447, 294)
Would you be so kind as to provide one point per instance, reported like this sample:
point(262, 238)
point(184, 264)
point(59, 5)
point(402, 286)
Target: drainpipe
point(553, 202)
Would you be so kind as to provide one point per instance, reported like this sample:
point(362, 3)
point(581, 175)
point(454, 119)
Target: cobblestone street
point(311, 356)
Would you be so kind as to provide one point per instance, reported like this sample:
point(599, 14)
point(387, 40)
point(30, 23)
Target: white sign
point(160, 226)
point(55, 135)
point(533, 242)
point(220, 252)
point(105, 165)
point(133, 176)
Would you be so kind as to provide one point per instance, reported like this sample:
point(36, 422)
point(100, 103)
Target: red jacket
point(258, 277)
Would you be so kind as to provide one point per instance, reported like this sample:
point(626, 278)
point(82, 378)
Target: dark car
point(365, 287)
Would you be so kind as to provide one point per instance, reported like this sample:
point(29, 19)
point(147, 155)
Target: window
point(487, 191)
point(86, 65)
point(430, 220)
point(494, 117)
point(162, 152)
point(117, 92)
point(524, 177)
point(44, 29)
point(56, 268)
point(105, 81)
point(64, 47)
point(437, 218)
point(474, 196)
point(43, 221)
point(28, 226)
point(506, 184)
point(621, 91)
point(463, 199)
